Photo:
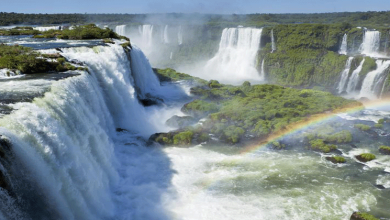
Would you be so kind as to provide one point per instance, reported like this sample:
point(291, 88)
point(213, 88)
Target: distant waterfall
point(121, 30)
point(146, 32)
point(343, 47)
point(180, 36)
point(170, 56)
point(262, 73)
point(373, 82)
point(236, 57)
point(273, 41)
point(47, 28)
point(344, 75)
point(371, 43)
point(354, 79)
point(166, 35)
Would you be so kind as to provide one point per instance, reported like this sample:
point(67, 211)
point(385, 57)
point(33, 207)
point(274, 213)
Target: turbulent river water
point(69, 162)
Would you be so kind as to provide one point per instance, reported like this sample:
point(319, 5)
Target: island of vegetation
point(234, 114)
point(20, 59)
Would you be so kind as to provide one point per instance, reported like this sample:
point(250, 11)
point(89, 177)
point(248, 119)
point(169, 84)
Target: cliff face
point(309, 55)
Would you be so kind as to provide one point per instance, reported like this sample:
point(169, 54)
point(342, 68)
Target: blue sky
point(191, 6)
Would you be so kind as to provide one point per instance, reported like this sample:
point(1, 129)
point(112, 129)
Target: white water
point(343, 47)
point(166, 35)
point(121, 30)
point(180, 36)
point(262, 73)
point(47, 28)
point(146, 31)
point(235, 61)
point(7, 73)
point(273, 41)
point(373, 82)
point(344, 76)
point(371, 43)
point(354, 78)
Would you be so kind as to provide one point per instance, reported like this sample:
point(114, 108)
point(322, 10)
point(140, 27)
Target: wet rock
point(365, 157)
point(3, 183)
point(151, 101)
point(353, 146)
point(362, 216)
point(121, 130)
point(336, 159)
point(380, 186)
point(384, 150)
point(180, 121)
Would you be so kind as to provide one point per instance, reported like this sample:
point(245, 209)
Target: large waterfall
point(373, 82)
point(65, 165)
point(146, 32)
point(371, 43)
point(180, 36)
point(344, 75)
point(343, 47)
point(236, 58)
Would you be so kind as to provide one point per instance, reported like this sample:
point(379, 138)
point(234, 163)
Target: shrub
point(183, 138)
point(362, 127)
point(366, 157)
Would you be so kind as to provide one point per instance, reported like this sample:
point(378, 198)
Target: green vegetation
point(362, 127)
point(27, 61)
point(81, 32)
point(319, 145)
point(336, 159)
point(384, 150)
point(170, 75)
point(19, 31)
point(378, 125)
point(366, 157)
point(362, 216)
point(235, 113)
point(277, 145)
point(368, 66)
point(306, 55)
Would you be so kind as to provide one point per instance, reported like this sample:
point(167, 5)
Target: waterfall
point(121, 30)
point(371, 43)
point(146, 32)
point(273, 41)
point(180, 36)
point(235, 60)
point(170, 56)
point(166, 35)
point(343, 47)
point(262, 73)
point(374, 80)
point(354, 78)
point(344, 75)
point(65, 165)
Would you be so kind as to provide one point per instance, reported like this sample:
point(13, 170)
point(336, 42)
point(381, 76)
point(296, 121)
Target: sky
point(191, 6)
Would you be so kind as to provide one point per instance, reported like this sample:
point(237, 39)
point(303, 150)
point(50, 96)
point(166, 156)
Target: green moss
point(366, 157)
point(368, 66)
point(381, 121)
point(277, 145)
point(378, 125)
point(183, 138)
point(384, 150)
point(365, 216)
point(170, 75)
point(362, 127)
point(336, 159)
point(126, 45)
point(199, 108)
point(319, 145)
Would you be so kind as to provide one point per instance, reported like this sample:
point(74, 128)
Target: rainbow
point(310, 121)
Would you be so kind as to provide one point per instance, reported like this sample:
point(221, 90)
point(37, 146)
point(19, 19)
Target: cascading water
point(180, 36)
point(273, 41)
point(262, 73)
point(146, 32)
point(47, 28)
point(236, 58)
point(371, 43)
point(373, 82)
point(354, 78)
point(343, 47)
point(344, 76)
point(121, 30)
point(166, 35)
